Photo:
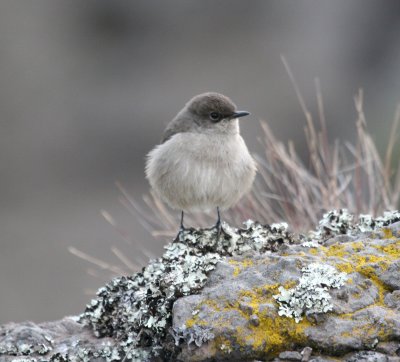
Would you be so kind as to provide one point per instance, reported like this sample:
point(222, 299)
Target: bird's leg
point(218, 225)
point(181, 228)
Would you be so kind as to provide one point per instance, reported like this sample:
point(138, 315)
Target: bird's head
point(213, 113)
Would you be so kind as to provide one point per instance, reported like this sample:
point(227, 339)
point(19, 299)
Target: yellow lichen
point(195, 320)
point(351, 262)
point(337, 250)
point(223, 344)
point(357, 294)
point(391, 250)
point(357, 246)
point(387, 233)
point(274, 333)
point(259, 295)
point(190, 323)
point(369, 330)
point(345, 267)
point(240, 265)
point(366, 265)
point(272, 288)
point(362, 260)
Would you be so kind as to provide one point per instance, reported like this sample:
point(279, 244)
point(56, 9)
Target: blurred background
point(86, 88)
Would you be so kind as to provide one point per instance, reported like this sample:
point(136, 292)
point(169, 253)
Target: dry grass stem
point(100, 264)
point(338, 175)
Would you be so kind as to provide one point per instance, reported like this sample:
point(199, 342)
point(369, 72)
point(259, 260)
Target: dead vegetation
point(338, 175)
point(335, 175)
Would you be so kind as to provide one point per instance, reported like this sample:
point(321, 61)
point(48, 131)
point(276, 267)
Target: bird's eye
point(215, 116)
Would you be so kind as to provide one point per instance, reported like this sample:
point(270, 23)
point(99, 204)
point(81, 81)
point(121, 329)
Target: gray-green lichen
point(196, 334)
point(140, 306)
point(138, 309)
point(342, 222)
point(311, 293)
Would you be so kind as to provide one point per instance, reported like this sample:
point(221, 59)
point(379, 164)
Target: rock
point(389, 348)
point(391, 276)
point(306, 354)
point(59, 341)
point(362, 314)
point(254, 320)
point(255, 294)
point(392, 300)
point(290, 356)
point(369, 356)
point(395, 227)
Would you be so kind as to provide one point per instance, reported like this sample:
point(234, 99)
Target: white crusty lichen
point(368, 223)
point(20, 348)
point(274, 235)
point(137, 309)
point(140, 306)
point(196, 334)
point(311, 295)
point(311, 244)
point(334, 222)
point(342, 222)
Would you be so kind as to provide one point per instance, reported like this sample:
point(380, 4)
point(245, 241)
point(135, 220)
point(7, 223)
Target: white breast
point(198, 172)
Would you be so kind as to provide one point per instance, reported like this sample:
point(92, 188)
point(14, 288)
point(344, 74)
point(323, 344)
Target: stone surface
point(259, 293)
point(365, 310)
point(64, 340)
point(370, 356)
point(290, 356)
point(306, 354)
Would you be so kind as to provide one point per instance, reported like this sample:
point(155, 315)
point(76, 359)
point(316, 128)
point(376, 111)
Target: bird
point(202, 162)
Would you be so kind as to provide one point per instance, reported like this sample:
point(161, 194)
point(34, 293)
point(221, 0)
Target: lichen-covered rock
point(61, 341)
point(138, 309)
point(342, 222)
point(363, 312)
point(253, 294)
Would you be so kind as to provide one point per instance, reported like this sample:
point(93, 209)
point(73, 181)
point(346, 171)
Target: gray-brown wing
point(177, 125)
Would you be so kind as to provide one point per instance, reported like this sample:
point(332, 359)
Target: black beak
point(239, 114)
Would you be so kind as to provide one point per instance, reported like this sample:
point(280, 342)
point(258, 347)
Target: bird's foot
point(218, 226)
point(220, 230)
point(180, 234)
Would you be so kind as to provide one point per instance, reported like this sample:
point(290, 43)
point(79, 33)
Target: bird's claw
point(180, 233)
point(220, 229)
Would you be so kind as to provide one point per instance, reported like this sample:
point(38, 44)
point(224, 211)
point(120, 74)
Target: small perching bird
point(202, 162)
